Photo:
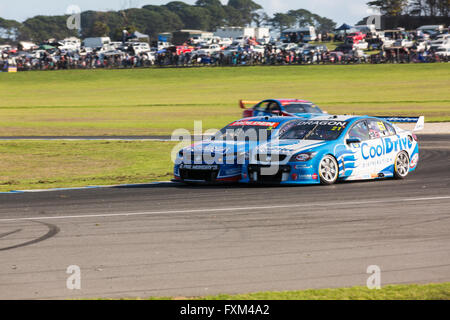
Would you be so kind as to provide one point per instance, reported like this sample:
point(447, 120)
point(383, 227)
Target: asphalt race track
point(173, 240)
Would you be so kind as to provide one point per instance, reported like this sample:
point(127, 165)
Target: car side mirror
point(353, 140)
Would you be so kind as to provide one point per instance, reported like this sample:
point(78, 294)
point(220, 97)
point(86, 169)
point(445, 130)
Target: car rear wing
point(243, 103)
point(419, 121)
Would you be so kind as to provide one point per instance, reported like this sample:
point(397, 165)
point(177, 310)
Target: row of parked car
point(354, 46)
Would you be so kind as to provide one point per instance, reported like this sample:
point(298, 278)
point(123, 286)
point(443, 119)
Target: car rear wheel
point(401, 165)
point(328, 170)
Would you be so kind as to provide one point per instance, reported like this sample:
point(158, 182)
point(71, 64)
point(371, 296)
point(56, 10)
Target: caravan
point(306, 34)
point(97, 42)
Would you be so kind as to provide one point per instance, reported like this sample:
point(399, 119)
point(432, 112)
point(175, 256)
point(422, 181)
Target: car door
point(373, 152)
point(354, 160)
point(386, 147)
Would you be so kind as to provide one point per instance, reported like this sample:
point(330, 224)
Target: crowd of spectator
point(63, 61)
point(242, 56)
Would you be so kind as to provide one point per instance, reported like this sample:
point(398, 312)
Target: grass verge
point(439, 291)
point(53, 164)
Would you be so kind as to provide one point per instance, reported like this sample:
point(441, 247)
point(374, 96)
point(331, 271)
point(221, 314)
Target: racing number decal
point(336, 128)
point(381, 126)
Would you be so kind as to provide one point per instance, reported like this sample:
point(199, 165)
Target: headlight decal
point(303, 157)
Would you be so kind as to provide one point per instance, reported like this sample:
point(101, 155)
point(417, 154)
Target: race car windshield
point(315, 130)
point(302, 108)
point(246, 132)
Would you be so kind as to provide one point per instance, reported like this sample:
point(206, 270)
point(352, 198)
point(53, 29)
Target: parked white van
point(140, 47)
point(97, 42)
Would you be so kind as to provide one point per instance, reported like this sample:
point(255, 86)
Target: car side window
point(391, 129)
point(374, 130)
point(273, 106)
point(359, 131)
point(378, 129)
point(262, 106)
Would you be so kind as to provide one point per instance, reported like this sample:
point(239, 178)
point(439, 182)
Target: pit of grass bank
point(439, 291)
point(26, 165)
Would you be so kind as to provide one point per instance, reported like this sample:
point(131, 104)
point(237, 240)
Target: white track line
point(89, 187)
point(131, 214)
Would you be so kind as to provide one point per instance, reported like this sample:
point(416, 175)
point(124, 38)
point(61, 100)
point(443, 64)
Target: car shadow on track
point(228, 186)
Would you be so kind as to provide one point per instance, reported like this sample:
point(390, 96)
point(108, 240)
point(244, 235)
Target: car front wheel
point(328, 170)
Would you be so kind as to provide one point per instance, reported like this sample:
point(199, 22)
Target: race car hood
point(220, 147)
point(289, 147)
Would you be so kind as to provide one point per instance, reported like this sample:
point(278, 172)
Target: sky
point(348, 11)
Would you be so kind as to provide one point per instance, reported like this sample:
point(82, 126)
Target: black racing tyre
point(328, 170)
point(401, 165)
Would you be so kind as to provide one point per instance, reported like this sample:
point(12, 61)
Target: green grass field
point(391, 292)
point(28, 165)
point(157, 101)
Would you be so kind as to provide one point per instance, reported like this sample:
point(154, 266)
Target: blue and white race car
point(220, 158)
point(331, 148)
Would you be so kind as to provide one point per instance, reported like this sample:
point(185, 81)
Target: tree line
point(205, 15)
point(431, 8)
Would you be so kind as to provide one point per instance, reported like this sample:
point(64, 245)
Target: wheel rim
point(402, 164)
point(328, 169)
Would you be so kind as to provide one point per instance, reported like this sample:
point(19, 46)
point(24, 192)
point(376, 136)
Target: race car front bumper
point(291, 173)
point(209, 174)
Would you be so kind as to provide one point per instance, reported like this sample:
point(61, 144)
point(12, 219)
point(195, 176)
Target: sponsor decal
point(209, 148)
point(315, 176)
point(414, 161)
point(386, 147)
point(255, 123)
point(337, 124)
point(289, 148)
point(302, 166)
point(232, 172)
point(401, 119)
point(199, 167)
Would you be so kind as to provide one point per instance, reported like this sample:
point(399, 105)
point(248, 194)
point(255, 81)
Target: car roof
point(289, 101)
point(347, 118)
point(336, 118)
point(269, 119)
